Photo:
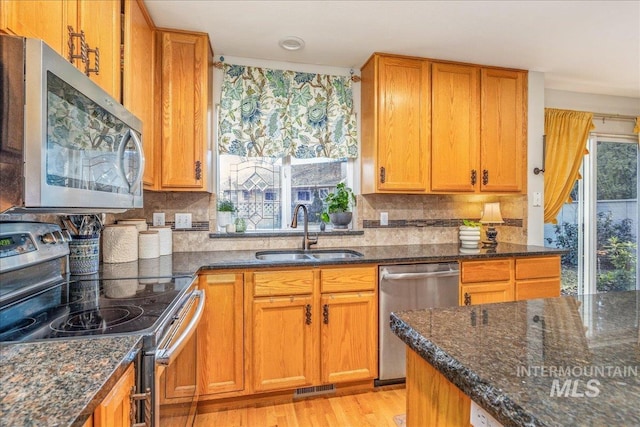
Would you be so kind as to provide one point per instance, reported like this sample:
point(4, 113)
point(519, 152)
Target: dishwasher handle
point(385, 275)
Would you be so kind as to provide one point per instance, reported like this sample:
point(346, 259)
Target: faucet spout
point(306, 240)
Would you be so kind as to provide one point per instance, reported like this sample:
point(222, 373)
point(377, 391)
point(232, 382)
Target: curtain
point(275, 113)
point(566, 133)
point(636, 129)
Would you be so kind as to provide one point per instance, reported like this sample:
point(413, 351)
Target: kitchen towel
point(119, 243)
point(148, 244)
point(166, 239)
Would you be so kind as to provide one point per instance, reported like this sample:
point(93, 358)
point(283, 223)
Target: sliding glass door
point(600, 225)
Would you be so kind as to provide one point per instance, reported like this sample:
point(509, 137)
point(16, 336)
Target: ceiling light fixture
point(291, 43)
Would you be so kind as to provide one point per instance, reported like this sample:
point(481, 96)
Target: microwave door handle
point(166, 356)
point(123, 143)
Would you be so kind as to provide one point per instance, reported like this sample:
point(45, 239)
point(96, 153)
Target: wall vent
point(314, 391)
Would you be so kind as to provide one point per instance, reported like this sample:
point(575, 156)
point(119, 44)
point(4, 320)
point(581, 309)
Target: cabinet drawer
point(534, 268)
point(271, 283)
point(485, 271)
point(530, 289)
point(348, 279)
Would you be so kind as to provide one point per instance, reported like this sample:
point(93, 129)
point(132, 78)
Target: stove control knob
point(48, 239)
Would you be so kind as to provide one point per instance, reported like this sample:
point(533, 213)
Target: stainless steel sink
point(300, 255)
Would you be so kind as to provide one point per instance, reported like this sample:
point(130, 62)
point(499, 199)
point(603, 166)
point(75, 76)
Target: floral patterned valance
point(275, 113)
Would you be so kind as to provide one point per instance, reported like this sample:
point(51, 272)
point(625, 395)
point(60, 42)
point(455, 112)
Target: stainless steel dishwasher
point(408, 287)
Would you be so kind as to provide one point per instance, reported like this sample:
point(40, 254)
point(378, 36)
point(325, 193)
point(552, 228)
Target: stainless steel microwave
point(66, 145)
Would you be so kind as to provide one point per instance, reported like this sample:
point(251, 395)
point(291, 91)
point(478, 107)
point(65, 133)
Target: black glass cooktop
point(90, 307)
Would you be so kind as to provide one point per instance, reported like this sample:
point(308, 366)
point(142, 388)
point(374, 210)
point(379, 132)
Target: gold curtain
point(566, 133)
point(637, 128)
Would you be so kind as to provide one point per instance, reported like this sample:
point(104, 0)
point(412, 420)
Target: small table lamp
point(491, 215)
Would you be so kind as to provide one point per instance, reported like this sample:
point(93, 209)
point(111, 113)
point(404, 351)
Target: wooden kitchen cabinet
point(138, 78)
point(537, 277)
point(509, 279)
point(478, 129)
point(395, 125)
point(49, 20)
point(220, 334)
point(183, 78)
point(503, 127)
point(114, 410)
point(313, 326)
point(455, 127)
point(349, 331)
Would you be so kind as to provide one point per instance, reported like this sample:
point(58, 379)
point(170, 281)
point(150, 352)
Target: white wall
point(535, 183)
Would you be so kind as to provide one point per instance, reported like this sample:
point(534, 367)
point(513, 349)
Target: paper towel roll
point(148, 244)
point(119, 243)
point(140, 223)
point(166, 239)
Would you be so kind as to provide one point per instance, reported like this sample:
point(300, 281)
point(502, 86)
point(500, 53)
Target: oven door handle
point(166, 356)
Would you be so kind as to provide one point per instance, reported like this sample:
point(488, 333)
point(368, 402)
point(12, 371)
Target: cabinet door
point(137, 94)
point(41, 19)
point(179, 381)
point(285, 331)
point(101, 23)
point(114, 409)
point(220, 341)
point(503, 135)
point(185, 92)
point(486, 293)
point(403, 125)
point(349, 339)
point(455, 128)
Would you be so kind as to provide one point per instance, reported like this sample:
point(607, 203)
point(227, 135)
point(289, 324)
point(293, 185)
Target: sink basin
point(335, 254)
point(300, 255)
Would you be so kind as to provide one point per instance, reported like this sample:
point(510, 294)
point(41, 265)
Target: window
point(266, 190)
point(600, 226)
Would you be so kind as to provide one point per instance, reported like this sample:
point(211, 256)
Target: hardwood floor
point(375, 408)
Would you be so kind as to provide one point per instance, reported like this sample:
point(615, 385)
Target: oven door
point(176, 373)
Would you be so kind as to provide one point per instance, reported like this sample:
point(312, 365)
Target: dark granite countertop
point(192, 262)
point(567, 361)
point(60, 382)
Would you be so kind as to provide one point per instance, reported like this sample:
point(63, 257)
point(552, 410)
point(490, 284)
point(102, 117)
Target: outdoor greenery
point(617, 168)
point(616, 249)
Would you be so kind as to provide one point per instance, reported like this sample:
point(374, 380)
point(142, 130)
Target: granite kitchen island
point(567, 361)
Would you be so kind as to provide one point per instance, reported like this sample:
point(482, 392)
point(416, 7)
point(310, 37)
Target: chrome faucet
point(306, 240)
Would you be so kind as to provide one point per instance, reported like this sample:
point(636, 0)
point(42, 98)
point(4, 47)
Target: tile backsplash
point(413, 219)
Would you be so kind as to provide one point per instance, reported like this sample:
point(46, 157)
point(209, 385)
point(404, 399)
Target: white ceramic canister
point(166, 239)
point(140, 223)
point(148, 244)
point(119, 243)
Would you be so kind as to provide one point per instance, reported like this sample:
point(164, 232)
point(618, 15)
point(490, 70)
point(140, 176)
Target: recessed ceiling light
point(291, 43)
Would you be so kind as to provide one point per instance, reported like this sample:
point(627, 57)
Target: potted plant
point(469, 234)
point(338, 206)
point(226, 209)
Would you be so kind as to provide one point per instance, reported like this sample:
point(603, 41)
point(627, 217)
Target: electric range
point(40, 301)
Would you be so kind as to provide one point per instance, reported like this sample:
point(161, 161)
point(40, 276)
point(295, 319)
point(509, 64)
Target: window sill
point(262, 234)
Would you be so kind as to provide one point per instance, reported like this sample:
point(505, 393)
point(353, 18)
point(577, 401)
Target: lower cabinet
point(509, 279)
point(312, 327)
point(114, 411)
point(220, 334)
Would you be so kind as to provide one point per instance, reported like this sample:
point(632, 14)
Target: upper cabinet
point(138, 77)
point(183, 79)
point(395, 125)
point(92, 28)
point(455, 125)
point(448, 128)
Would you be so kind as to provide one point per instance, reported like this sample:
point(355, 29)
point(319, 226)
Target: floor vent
point(314, 391)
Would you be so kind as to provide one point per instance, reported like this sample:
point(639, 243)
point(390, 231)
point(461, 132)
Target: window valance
point(275, 113)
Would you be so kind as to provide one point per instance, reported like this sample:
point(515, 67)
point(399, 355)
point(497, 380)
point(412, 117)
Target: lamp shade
point(491, 214)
